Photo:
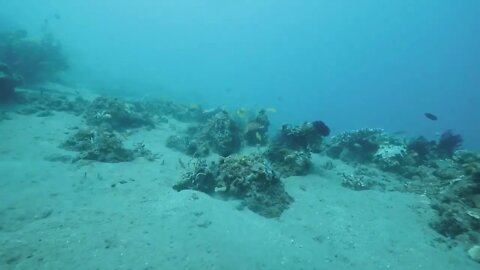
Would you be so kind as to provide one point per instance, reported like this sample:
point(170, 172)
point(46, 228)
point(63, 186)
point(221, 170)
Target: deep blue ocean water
point(352, 64)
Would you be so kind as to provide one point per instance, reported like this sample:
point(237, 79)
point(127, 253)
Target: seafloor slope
point(67, 205)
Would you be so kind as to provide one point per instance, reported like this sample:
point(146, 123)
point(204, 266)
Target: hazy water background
point(352, 64)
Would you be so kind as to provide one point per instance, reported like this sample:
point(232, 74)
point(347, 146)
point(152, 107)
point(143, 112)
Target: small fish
point(431, 116)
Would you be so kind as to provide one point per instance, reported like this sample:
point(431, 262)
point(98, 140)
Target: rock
point(247, 178)
point(8, 82)
point(474, 253)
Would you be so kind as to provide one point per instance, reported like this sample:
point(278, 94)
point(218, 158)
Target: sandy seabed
point(92, 215)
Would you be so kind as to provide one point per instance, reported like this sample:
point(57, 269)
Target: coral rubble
point(355, 146)
point(117, 114)
point(304, 137)
point(288, 162)
point(104, 146)
point(290, 151)
point(219, 134)
point(222, 134)
point(248, 178)
point(257, 128)
point(98, 145)
point(449, 177)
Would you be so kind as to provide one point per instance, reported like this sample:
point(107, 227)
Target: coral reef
point(356, 146)
point(288, 162)
point(34, 60)
point(256, 129)
point(304, 137)
point(117, 114)
point(8, 81)
point(390, 157)
point(458, 207)
point(448, 144)
point(248, 178)
point(425, 150)
point(450, 178)
point(201, 178)
point(179, 112)
point(98, 145)
point(220, 134)
point(373, 146)
point(447, 177)
point(470, 163)
point(421, 149)
point(290, 150)
point(437, 169)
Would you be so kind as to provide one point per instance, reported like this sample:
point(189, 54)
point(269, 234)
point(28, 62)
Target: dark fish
point(431, 116)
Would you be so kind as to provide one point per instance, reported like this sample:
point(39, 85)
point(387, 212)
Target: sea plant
point(449, 143)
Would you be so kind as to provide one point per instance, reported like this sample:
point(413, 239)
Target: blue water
point(352, 64)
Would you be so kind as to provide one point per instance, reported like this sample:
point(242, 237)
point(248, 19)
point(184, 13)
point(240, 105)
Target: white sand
point(56, 215)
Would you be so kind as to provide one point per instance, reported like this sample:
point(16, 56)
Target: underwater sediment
point(229, 159)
